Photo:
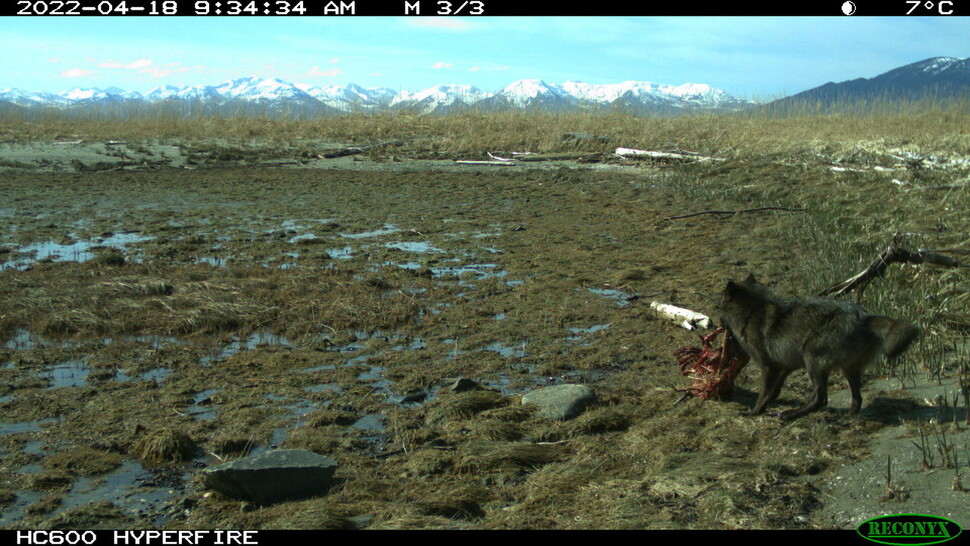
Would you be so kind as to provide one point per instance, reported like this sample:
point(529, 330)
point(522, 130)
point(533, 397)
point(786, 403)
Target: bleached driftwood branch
point(676, 156)
point(893, 254)
point(682, 317)
point(500, 163)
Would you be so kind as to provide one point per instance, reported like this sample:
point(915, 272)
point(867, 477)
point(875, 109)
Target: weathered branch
point(353, 150)
point(893, 254)
point(730, 213)
point(665, 156)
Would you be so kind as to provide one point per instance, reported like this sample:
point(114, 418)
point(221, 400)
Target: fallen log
point(557, 156)
point(485, 162)
point(684, 318)
point(674, 156)
point(730, 213)
point(353, 150)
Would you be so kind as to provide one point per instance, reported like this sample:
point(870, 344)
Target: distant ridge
point(934, 78)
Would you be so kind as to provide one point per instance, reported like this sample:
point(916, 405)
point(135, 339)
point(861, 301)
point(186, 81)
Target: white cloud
point(315, 71)
point(440, 65)
point(76, 73)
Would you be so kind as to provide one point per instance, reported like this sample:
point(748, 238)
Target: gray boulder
point(561, 402)
point(274, 476)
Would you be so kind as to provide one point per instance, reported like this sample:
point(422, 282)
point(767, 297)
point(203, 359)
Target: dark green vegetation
point(235, 309)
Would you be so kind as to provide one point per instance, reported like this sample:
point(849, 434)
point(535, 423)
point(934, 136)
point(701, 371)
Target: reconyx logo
point(909, 529)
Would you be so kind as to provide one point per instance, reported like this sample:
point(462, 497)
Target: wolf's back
point(897, 335)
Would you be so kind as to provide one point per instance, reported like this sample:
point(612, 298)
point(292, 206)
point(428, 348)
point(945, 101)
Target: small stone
point(463, 384)
point(274, 476)
point(561, 402)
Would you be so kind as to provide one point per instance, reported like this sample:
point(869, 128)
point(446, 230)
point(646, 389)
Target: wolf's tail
point(897, 335)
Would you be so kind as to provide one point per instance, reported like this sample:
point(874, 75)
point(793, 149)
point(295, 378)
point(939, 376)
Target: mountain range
point(271, 95)
point(935, 77)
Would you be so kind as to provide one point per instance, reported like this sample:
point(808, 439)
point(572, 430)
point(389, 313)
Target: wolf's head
point(740, 300)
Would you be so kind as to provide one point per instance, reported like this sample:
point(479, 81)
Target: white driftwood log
point(500, 163)
point(682, 317)
point(677, 156)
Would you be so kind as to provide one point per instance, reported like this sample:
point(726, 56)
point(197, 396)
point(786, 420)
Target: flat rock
point(561, 402)
point(274, 476)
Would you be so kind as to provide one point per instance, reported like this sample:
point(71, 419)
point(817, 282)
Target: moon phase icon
point(848, 8)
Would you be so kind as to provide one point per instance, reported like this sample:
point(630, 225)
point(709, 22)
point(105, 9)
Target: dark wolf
point(818, 334)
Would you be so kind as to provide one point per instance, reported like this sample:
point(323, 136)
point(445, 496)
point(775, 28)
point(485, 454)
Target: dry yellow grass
point(931, 126)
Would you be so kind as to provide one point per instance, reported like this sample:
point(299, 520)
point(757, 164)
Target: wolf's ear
point(732, 290)
point(750, 279)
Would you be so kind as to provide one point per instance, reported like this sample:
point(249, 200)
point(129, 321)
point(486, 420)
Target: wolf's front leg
point(819, 400)
point(772, 378)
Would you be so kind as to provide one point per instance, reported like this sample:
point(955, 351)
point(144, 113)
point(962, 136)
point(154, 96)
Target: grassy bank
point(931, 128)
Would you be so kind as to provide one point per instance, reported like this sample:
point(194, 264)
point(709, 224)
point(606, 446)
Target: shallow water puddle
point(483, 271)
point(414, 246)
point(344, 253)
point(80, 251)
point(370, 422)
point(25, 340)
point(508, 351)
point(375, 379)
point(213, 261)
point(72, 373)
point(591, 330)
point(131, 486)
point(203, 408)
point(27, 426)
point(386, 230)
point(158, 375)
point(257, 339)
point(14, 511)
point(622, 298)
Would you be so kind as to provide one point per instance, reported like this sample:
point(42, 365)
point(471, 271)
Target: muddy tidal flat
point(156, 322)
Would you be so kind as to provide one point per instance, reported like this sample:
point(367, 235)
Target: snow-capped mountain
point(439, 99)
point(350, 97)
point(275, 96)
point(530, 95)
point(26, 98)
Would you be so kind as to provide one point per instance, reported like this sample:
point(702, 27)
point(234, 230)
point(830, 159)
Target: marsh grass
point(93, 300)
point(930, 126)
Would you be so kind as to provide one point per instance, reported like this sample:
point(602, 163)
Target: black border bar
point(475, 8)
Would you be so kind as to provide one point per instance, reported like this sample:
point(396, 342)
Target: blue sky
point(760, 57)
